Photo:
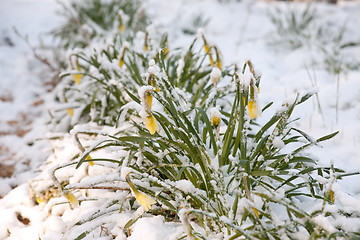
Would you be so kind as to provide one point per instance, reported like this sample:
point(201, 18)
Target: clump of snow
point(185, 185)
point(4, 188)
point(278, 143)
point(153, 69)
point(180, 67)
point(215, 76)
point(153, 228)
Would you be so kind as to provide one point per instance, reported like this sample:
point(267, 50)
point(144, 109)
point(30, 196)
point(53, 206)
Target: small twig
point(243, 27)
point(314, 84)
point(76, 21)
point(337, 93)
point(36, 55)
point(102, 187)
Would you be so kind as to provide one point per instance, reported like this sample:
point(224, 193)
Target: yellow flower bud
point(121, 62)
point(332, 197)
point(146, 46)
point(255, 211)
point(40, 200)
point(70, 111)
point(122, 28)
point(253, 111)
point(215, 121)
point(89, 158)
point(149, 98)
point(122, 54)
point(77, 77)
point(218, 59)
point(72, 199)
point(166, 50)
point(151, 124)
point(145, 201)
point(218, 63)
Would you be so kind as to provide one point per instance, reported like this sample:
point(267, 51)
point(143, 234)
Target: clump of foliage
point(302, 26)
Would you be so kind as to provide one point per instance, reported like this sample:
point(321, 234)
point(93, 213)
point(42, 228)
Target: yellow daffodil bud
point(121, 21)
point(40, 200)
point(77, 77)
point(151, 124)
point(332, 197)
point(166, 51)
point(207, 49)
point(70, 111)
point(253, 111)
point(218, 63)
point(255, 211)
point(122, 54)
point(72, 199)
point(215, 121)
point(218, 59)
point(89, 158)
point(146, 46)
point(121, 62)
point(145, 201)
point(149, 99)
point(165, 45)
point(211, 59)
point(145, 113)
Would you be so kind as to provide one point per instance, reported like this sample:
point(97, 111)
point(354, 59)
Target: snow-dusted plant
point(89, 20)
point(294, 26)
point(299, 26)
point(220, 173)
point(101, 81)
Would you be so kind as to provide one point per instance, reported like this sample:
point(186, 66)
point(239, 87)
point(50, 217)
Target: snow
point(240, 30)
point(153, 228)
point(215, 76)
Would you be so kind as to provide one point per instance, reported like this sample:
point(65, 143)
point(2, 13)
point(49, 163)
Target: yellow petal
point(151, 124)
point(255, 211)
point(207, 49)
point(218, 63)
point(149, 99)
point(72, 199)
point(77, 78)
point(211, 60)
point(70, 111)
point(89, 158)
point(39, 200)
point(145, 201)
point(121, 62)
point(332, 197)
point(253, 111)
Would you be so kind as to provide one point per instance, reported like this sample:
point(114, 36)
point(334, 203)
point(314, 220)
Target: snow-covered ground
point(242, 30)
point(23, 89)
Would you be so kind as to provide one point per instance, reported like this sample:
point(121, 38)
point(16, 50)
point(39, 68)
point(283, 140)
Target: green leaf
point(327, 137)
